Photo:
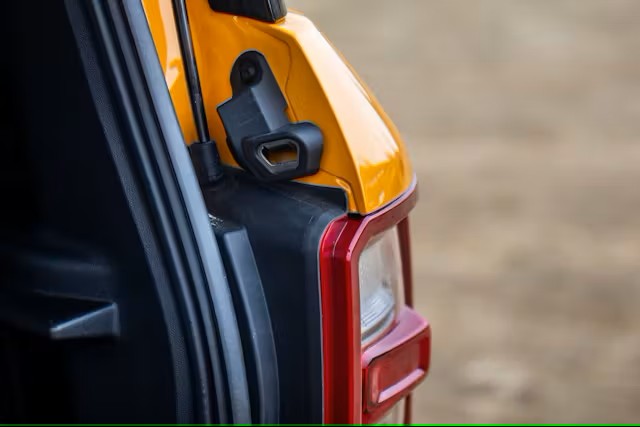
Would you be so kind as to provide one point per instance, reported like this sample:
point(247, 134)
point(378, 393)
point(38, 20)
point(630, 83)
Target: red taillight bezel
point(344, 358)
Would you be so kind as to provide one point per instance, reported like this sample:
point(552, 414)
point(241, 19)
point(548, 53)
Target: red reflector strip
point(393, 366)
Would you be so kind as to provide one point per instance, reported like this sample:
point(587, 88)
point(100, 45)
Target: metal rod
point(191, 70)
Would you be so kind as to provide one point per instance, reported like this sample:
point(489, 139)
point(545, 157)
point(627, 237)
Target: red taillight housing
point(364, 380)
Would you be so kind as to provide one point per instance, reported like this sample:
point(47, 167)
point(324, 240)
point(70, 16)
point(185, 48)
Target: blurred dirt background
point(523, 119)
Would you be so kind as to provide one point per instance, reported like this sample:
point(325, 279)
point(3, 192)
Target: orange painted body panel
point(363, 151)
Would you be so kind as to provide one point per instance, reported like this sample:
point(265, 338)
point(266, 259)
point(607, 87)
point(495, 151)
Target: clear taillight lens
point(395, 415)
point(381, 284)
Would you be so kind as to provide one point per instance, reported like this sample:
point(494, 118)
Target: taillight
point(376, 348)
point(381, 284)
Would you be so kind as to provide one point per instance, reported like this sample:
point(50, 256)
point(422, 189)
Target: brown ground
point(523, 118)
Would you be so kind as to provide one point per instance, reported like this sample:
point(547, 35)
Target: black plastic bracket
point(260, 136)
point(263, 10)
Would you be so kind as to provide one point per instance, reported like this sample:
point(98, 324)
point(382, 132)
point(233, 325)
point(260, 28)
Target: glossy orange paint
point(363, 152)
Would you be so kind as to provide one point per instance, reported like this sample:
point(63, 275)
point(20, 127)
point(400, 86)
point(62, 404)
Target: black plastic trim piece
point(255, 120)
point(254, 320)
point(263, 10)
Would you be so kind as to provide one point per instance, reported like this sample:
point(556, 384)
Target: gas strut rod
point(204, 152)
